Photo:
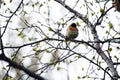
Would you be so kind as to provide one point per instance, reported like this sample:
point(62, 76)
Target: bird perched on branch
point(116, 4)
point(71, 32)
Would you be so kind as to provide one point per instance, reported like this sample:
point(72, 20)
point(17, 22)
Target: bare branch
point(17, 66)
point(11, 17)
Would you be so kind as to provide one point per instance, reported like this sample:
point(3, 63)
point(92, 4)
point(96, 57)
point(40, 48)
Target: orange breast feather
point(72, 28)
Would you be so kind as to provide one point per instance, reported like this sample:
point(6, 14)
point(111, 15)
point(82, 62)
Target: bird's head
point(73, 25)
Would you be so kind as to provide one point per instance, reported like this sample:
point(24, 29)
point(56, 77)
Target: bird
point(71, 32)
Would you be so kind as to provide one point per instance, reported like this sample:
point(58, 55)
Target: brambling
point(71, 32)
point(116, 4)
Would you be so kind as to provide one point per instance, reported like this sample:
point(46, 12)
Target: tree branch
point(22, 68)
point(96, 38)
point(11, 17)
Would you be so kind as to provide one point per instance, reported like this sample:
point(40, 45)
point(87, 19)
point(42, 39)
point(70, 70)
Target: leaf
point(118, 48)
point(110, 25)
point(4, 3)
point(79, 77)
point(77, 23)
point(45, 12)
point(52, 60)
point(15, 59)
point(38, 43)
point(58, 68)
point(92, 14)
point(59, 23)
point(32, 39)
point(36, 3)
point(84, 77)
point(8, 78)
point(25, 12)
point(62, 19)
point(4, 68)
point(110, 49)
point(33, 5)
point(82, 68)
point(93, 57)
point(78, 56)
point(98, 69)
point(44, 2)
point(49, 28)
point(41, 5)
point(107, 32)
point(99, 62)
point(10, 1)
point(27, 4)
point(47, 51)
point(70, 61)
point(116, 57)
point(101, 10)
point(37, 53)
point(21, 35)
point(29, 39)
point(16, 29)
point(34, 49)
